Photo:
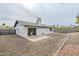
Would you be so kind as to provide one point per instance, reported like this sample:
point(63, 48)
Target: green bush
point(5, 26)
point(63, 28)
point(77, 29)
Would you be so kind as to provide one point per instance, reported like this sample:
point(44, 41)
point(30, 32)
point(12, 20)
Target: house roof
point(25, 23)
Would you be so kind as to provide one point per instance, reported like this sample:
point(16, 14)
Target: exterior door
point(31, 31)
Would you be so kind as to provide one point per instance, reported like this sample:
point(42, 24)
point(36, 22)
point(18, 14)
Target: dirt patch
point(71, 48)
point(16, 45)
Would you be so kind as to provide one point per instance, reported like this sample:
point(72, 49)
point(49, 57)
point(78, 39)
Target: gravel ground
point(14, 45)
point(71, 48)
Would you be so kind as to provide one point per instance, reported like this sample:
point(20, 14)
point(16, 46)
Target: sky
point(50, 13)
point(10, 12)
point(56, 13)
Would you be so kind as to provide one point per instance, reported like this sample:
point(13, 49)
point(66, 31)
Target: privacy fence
point(7, 31)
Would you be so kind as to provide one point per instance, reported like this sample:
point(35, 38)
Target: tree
point(3, 24)
point(57, 25)
point(77, 20)
point(54, 26)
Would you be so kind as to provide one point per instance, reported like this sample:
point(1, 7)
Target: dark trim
point(15, 24)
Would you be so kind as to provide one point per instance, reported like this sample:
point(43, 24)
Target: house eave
point(36, 26)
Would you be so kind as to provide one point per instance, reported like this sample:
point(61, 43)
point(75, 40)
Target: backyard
point(39, 29)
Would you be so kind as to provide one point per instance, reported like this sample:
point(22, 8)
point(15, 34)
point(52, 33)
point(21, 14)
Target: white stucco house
point(26, 29)
point(25, 22)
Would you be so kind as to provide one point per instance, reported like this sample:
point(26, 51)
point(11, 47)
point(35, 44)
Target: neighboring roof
point(32, 24)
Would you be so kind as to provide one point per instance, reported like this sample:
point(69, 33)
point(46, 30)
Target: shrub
point(77, 28)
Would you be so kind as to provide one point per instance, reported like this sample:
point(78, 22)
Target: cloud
point(56, 13)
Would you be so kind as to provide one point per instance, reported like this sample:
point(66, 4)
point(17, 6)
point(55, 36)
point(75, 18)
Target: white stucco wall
point(21, 30)
point(41, 31)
